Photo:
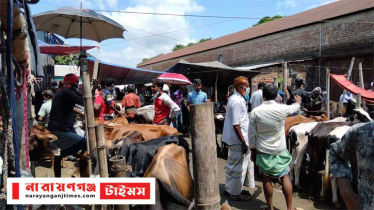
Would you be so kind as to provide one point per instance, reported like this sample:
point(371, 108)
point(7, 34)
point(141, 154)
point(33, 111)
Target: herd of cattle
point(157, 151)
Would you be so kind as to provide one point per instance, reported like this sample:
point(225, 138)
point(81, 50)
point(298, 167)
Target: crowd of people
point(256, 137)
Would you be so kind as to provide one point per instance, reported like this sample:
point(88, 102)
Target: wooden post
point(88, 105)
point(118, 166)
point(328, 92)
point(285, 78)
point(101, 151)
point(95, 73)
point(276, 81)
point(204, 152)
point(215, 89)
point(358, 101)
point(361, 81)
point(348, 77)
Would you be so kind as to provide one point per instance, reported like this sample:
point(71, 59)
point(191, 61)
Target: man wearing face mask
point(235, 135)
point(61, 122)
point(108, 96)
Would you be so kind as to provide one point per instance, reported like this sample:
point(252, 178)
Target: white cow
point(334, 135)
point(298, 138)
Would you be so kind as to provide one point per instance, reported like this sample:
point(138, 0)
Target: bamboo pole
point(118, 166)
point(358, 101)
point(204, 151)
point(328, 92)
point(215, 89)
point(101, 151)
point(361, 75)
point(89, 111)
point(348, 77)
point(285, 78)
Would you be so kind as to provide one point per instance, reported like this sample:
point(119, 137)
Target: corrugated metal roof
point(333, 10)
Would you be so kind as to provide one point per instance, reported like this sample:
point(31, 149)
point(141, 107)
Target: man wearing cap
point(131, 102)
point(197, 96)
point(61, 122)
point(108, 96)
point(165, 108)
point(45, 110)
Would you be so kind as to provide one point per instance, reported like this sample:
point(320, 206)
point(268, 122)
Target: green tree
point(66, 60)
point(145, 59)
point(268, 19)
point(181, 46)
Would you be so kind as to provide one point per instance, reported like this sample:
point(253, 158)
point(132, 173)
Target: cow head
point(362, 116)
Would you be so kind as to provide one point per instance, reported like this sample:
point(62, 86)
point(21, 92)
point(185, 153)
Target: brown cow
point(38, 144)
point(149, 131)
point(292, 121)
point(174, 184)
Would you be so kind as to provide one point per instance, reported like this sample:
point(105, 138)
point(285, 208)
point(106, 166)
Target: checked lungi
point(239, 170)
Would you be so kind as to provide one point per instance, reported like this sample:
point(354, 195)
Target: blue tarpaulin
point(122, 74)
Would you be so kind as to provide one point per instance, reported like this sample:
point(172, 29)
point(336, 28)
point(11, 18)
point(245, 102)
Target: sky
point(150, 35)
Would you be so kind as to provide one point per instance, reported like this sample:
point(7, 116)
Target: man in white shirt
point(235, 134)
point(266, 134)
point(257, 96)
point(45, 110)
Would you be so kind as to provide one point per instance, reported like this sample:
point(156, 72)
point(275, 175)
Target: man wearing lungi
point(266, 134)
point(239, 170)
point(61, 122)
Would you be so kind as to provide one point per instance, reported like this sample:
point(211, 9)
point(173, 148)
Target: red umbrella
point(174, 79)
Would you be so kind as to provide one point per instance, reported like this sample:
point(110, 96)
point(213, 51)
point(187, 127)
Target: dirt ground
point(300, 199)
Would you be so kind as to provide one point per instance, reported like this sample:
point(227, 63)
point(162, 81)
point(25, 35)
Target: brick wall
point(342, 38)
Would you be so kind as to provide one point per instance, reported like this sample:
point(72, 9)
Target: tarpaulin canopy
point(347, 85)
point(55, 49)
point(208, 72)
point(122, 74)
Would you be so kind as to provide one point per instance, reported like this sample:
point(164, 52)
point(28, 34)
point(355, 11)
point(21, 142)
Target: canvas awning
point(347, 85)
point(55, 49)
point(122, 74)
point(208, 72)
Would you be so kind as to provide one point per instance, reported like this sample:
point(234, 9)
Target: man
point(61, 121)
point(230, 92)
point(305, 99)
point(177, 98)
point(131, 102)
point(347, 97)
point(45, 110)
point(235, 135)
point(54, 86)
point(356, 145)
point(142, 93)
point(266, 134)
point(316, 100)
point(108, 96)
point(197, 96)
point(99, 104)
point(257, 96)
point(165, 108)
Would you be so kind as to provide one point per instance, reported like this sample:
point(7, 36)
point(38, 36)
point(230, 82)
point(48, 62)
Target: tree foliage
point(268, 19)
point(145, 59)
point(181, 46)
point(66, 60)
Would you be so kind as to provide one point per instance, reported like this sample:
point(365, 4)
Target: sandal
point(264, 207)
point(246, 193)
point(240, 197)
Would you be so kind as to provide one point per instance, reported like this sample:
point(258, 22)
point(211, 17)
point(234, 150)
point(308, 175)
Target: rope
point(25, 124)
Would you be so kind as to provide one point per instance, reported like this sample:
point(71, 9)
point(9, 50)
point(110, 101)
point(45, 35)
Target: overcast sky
point(150, 35)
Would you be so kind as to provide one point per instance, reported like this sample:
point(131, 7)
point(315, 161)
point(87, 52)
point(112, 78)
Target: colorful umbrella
point(174, 79)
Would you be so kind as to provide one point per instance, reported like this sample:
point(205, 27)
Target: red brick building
point(327, 36)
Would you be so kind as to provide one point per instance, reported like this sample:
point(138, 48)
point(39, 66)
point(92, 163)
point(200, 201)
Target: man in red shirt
point(99, 104)
point(131, 102)
point(165, 108)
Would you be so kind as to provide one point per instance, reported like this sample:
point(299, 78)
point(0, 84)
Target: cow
point(332, 137)
point(317, 141)
point(38, 144)
point(299, 143)
point(115, 132)
point(145, 115)
point(140, 155)
point(295, 120)
point(174, 184)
